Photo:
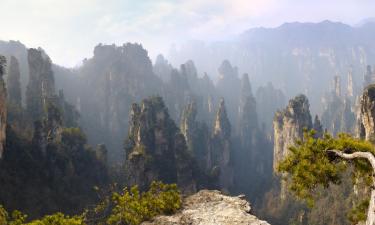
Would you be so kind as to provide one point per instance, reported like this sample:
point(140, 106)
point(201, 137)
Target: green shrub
point(132, 207)
point(129, 208)
point(58, 219)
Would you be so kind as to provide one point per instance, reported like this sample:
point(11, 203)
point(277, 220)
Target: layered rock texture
point(211, 208)
point(338, 111)
point(289, 125)
point(41, 86)
point(196, 134)
point(220, 156)
point(3, 106)
point(270, 100)
point(13, 82)
point(367, 113)
point(155, 148)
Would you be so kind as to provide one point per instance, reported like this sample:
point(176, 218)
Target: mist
point(162, 112)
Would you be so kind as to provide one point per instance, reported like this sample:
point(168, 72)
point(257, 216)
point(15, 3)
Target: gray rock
point(211, 208)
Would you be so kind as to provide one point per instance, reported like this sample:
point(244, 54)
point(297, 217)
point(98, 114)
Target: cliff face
point(367, 113)
point(270, 100)
point(3, 106)
point(338, 115)
point(289, 125)
point(220, 155)
point(41, 86)
point(155, 148)
point(196, 134)
point(108, 83)
point(13, 82)
point(210, 207)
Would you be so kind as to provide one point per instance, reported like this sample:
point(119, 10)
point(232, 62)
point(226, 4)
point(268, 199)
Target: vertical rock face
point(337, 113)
point(367, 112)
point(13, 82)
point(162, 68)
point(229, 86)
point(3, 107)
point(248, 117)
point(317, 126)
point(289, 125)
point(114, 78)
point(188, 124)
point(368, 77)
point(41, 86)
point(155, 148)
point(220, 149)
point(337, 85)
point(271, 100)
point(350, 88)
point(196, 134)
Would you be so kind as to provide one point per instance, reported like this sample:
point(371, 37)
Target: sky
point(70, 29)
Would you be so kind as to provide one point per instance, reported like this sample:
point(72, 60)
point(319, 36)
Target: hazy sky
point(69, 29)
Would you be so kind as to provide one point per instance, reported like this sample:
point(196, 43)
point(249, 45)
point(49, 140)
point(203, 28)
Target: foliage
point(132, 207)
point(73, 136)
point(311, 166)
point(18, 218)
point(15, 218)
point(58, 219)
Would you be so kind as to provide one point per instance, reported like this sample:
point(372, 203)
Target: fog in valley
point(126, 112)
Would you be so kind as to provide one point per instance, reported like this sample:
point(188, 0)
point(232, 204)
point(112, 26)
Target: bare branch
point(365, 155)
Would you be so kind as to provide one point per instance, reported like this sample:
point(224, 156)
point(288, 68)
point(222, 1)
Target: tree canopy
point(313, 163)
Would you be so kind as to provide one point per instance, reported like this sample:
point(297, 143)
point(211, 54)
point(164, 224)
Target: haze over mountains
point(208, 115)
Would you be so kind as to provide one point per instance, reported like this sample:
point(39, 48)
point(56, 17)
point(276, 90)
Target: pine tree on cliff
point(315, 163)
point(13, 82)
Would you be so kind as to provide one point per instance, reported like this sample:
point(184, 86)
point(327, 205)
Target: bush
point(128, 208)
point(132, 207)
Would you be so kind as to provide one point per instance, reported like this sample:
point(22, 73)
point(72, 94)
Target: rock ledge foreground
point(211, 208)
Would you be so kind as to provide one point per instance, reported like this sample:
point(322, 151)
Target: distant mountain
point(296, 57)
point(365, 22)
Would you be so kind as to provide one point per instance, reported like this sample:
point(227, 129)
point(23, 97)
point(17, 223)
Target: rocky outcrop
point(162, 68)
point(220, 153)
point(109, 82)
point(3, 106)
point(41, 86)
point(248, 116)
point(369, 77)
point(289, 125)
point(13, 82)
point(228, 87)
point(155, 148)
point(208, 208)
point(367, 113)
point(338, 115)
point(317, 126)
point(270, 100)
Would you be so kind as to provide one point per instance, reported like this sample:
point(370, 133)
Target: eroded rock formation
point(289, 125)
point(41, 86)
point(155, 148)
point(367, 113)
point(211, 207)
point(270, 100)
point(13, 82)
point(220, 155)
point(3, 106)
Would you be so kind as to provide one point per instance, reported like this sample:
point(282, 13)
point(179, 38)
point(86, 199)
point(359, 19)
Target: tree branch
point(366, 155)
